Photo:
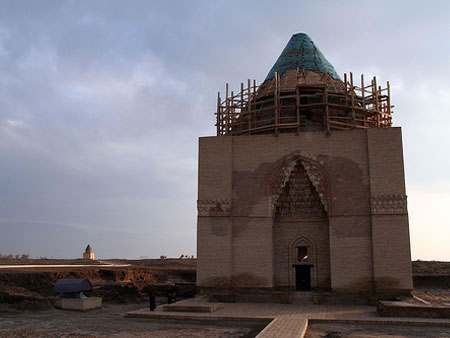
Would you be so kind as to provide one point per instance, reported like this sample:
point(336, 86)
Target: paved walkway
point(288, 320)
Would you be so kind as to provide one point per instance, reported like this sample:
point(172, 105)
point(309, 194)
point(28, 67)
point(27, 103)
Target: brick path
point(289, 320)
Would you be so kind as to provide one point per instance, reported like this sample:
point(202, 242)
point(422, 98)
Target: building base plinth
point(81, 304)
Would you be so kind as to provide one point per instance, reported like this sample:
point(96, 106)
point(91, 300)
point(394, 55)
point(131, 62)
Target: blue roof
point(72, 285)
point(301, 52)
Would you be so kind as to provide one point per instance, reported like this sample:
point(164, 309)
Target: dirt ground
point(111, 322)
point(434, 296)
point(338, 330)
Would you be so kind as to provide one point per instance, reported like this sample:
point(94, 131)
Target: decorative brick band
point(389, 204)
point(220, 207)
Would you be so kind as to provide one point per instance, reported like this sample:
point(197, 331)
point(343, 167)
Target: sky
point(102, 104)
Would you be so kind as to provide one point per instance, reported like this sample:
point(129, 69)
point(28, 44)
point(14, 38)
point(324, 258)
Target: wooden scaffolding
point(303, 107)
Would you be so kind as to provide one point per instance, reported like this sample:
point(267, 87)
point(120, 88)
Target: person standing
point(151, 299)
point(172, 294)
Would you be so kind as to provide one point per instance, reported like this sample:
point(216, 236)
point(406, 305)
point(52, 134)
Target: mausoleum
point(303, 188)
point(89, 253)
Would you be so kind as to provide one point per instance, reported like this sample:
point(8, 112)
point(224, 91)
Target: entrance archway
point(300, 227)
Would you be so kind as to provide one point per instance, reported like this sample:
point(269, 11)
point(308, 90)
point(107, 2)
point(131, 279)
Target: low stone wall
point(403, 309)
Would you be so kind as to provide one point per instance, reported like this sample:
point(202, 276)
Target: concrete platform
point(192, 305)
point(287, 320)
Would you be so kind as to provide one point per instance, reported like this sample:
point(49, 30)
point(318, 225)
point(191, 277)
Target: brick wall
point(238, 240)
point(390, 230)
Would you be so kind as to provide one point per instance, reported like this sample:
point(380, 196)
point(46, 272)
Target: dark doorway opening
point(303, 277)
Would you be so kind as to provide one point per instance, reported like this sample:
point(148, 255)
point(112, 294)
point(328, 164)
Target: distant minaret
point(88, 253)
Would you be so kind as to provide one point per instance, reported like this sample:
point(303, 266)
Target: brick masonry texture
point(342, 195)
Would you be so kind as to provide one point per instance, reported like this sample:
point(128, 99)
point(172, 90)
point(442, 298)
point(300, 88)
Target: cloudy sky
point(102, 104)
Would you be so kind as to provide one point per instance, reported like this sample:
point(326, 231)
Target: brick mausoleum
point(303, 188)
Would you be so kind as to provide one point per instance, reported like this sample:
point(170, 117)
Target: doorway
point(303, 277)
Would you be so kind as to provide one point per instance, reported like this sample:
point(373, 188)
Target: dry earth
point(115, 284)
point(338, 330)
point(128, 285)
point(434, 296)
point(125, 285)
point(110, 322)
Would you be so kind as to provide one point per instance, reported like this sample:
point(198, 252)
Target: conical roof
point(88, 248)
point(301, 52)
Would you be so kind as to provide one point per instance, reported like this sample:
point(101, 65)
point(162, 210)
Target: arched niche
point(294, 262)
point(282, 173)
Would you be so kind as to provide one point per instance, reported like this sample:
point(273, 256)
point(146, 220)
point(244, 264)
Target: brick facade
point(342, 195)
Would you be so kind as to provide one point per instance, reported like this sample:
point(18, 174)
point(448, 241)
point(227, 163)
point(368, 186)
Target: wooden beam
point(297, 100)
point(227, 109)
point(377, 105)
point(276, 102)
point(218, 114)
point(327, 113)
point(249, 104)
point(388, 98)
point(242, 96)
point(345, 82)
point(363, 91)
point(352, 93)
point(231, 111)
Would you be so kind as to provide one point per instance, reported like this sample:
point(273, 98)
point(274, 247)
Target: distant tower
point(88, 253)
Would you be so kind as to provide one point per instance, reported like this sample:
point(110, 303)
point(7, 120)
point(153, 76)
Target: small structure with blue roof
point(72, 295)
point(72, 288)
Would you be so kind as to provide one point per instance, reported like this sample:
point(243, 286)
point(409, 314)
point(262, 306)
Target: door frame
point(296, 266)
point(312, 260)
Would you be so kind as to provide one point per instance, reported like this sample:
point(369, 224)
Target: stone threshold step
point(209, 308)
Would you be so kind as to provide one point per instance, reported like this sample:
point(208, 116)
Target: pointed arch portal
point(299, 206)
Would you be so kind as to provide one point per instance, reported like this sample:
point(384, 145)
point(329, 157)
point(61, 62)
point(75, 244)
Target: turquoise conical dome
point(301, 52)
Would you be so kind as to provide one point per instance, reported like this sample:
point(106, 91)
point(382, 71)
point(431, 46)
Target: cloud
point(101, 105)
